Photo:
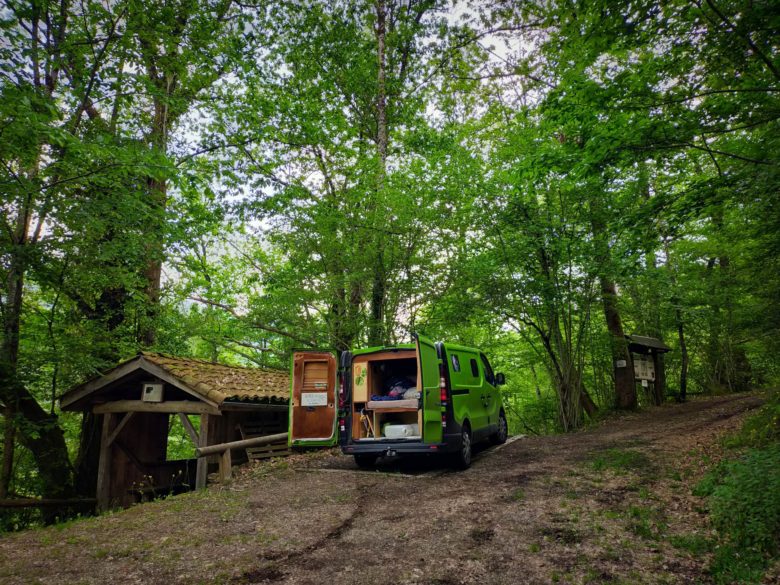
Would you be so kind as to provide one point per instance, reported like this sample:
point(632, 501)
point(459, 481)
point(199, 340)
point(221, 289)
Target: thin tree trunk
point(8, 452)
point(377, 332)
point(683, 356)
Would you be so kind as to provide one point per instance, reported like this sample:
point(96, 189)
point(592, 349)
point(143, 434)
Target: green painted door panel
point(428, 365)
point(467, 389)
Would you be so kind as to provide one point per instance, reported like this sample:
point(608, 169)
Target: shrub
point(744, 499)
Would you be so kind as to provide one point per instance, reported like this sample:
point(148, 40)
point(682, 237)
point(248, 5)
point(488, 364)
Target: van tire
point(462, 457)
point(365, 461)
point(499, 437)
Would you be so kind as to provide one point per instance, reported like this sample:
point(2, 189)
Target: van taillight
point(342, 424)
point(342, 393)
point(443, 390)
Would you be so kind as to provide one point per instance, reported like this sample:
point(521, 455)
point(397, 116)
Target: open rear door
point(428, 366)
point(313, 399)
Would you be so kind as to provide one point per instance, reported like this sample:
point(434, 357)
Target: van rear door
point(430, 376)
point(313, 399)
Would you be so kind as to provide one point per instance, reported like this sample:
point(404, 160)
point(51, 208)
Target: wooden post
point(225, 466)
point(104, 465)
point(203, 462)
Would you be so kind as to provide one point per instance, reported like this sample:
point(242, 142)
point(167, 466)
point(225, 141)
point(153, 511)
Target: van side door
point(313, 399)
point(492, 392)
point(466, 387)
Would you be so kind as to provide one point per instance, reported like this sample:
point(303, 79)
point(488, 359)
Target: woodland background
point(231, 179)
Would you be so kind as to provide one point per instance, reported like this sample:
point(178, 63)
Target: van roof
point(378, 348)
point(456, 347)
point(407, 346)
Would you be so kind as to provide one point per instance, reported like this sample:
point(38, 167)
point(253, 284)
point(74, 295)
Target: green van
point(381, 401)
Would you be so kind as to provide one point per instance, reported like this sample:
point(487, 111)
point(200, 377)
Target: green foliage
point(761, 429)
point(240, 148)
point(744, 501)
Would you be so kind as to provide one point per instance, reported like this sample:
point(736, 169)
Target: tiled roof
point(221, 383)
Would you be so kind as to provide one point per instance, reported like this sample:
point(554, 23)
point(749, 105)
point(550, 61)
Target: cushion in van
point(380, 404)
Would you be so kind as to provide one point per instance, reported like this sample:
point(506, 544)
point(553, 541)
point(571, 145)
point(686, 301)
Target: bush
point(744, 502)
point(761, 429)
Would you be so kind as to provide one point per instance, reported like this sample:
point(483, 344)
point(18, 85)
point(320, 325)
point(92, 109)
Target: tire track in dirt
point(272, 573)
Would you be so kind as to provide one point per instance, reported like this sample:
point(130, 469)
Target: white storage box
point(398, 431)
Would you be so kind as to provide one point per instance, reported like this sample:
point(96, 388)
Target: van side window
point(455, 363)
point(474, 368)
point(489, 376)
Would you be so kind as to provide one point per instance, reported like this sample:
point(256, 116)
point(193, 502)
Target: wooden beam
point(253, 442)
point(201, 475)
point(104, 465)
point(42, 503)
point(250, 406)
point(169, 407)
point(185, 421)
point(115, 433)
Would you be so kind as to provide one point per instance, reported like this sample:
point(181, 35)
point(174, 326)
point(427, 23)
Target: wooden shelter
point(137, 399)
point(647, 354)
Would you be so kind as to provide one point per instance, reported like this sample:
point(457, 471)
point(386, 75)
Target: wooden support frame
point(115, 433)
point(169, 407)
point(185, 422)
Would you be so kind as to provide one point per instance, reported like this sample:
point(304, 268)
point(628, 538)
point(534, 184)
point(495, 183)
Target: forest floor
point(605, 505)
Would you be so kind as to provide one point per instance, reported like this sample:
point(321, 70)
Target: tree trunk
point(8, 452)
point(683, 357)
point(377, 330)
point(40, 433)
point(659, 385)
point(625, 389)
point(158, 201)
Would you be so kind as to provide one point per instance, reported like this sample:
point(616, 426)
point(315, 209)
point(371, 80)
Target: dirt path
point(601, 506)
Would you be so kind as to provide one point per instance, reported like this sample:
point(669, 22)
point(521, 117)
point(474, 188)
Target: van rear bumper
point(391, 447)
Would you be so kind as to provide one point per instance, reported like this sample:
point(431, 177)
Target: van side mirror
point(500, 379)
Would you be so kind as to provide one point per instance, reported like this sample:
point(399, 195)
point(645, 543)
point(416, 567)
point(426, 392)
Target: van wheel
point(499, 437)
point(462, 459)
point(365, 461)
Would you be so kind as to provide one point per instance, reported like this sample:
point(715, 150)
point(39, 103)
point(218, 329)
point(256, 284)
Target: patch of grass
point(644, 522)
point(518, 495)
point(696, 544)
point(535, 547)
point(620, 461)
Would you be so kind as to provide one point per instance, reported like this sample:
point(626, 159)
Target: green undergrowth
point(743, 495)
